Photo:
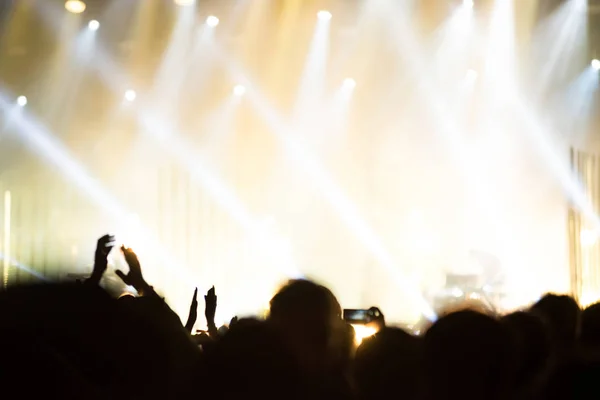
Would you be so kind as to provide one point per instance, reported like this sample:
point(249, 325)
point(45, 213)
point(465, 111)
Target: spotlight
point(22, 101)
point(239, 90)
point(130, 95)
point(212, 21)
point(75, 6)
point(184, 3)
point(93, 25)
point(324, 15)
point(468, 3)
point(349, 83)
point(596, 64)
point(472, 76)
point(588, 237)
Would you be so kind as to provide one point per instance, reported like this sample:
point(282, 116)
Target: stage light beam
point(93, 25)
point(7, 234)
point(313, 78)
point(349, 83)
point(75, 6)
point(212, 21)
point(130, 95)
point(324, 15)
point(184, 3)
point(239, 90)
point(468, 3)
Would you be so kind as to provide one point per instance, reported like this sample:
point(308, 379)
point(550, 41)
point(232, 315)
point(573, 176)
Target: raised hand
point(193, 315)
point(104, 246)
point(210, 310)
point(134, 277)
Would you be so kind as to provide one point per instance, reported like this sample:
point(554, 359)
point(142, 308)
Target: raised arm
point(193, 315)
point(134, 277)
point(210, 310)
point(103, 248)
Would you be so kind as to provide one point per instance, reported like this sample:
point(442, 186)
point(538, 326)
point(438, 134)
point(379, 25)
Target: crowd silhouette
point(75, 341)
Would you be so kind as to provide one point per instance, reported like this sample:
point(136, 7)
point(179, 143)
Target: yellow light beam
point(15, 31)
point(6, 246)
point(142, 33)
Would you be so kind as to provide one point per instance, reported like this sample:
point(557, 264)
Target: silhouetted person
point(467, 355)
point(112, 348)
point(251, 361)
point(308, 316)
point(388, 362)
point(590, 326)
point(563, 315)
point(533, 350)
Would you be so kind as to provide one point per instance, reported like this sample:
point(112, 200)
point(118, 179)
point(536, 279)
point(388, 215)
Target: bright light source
point(212, 21)
point(349, 83)
point(134, 219)
point(596, 64)
point(75, 6)
point(324, 15)
point(471, 76)
point(184, 2)
point(239, 90)
point(93, 25)
point(22, 101)
point(468, 3)
point(130, 95)
point(474, 296)
point(588, 237)
point(581, 5)
point(362, 332)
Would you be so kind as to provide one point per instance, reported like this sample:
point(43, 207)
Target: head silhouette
point(308, 317)
point(532, 344)
point(252, 360)
point(563, 315)
point(468, 355)
point(386, 361)
point(590, 326)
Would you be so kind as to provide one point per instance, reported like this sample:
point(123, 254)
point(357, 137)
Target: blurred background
point(374, 145)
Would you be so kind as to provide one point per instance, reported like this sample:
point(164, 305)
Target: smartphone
point(357, 316)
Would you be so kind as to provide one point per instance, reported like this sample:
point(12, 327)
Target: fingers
point(195, 298)
point(130, 257)
point(105, 245)
point(110, 240)
point(122, 275)
point(106, 240)
point(210, 295)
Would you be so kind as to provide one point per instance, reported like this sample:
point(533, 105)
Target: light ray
point(165, 133)
point(566, 29)
point(12, 262)
point(43, 143)
point(312, 82)
point(347, 211)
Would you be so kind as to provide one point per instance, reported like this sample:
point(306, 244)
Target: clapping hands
point(210, 310)
point(103, 247)
point(134, 277)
